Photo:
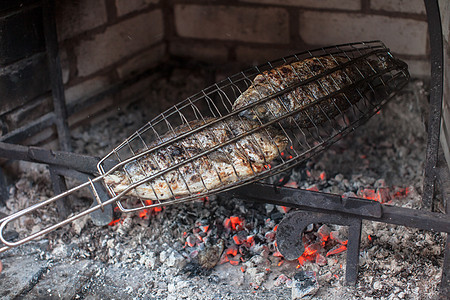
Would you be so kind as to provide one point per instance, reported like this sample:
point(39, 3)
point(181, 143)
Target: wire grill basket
point(360, 79)
point(250, 126)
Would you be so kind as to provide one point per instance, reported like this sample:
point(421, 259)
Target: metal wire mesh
point(252, 125)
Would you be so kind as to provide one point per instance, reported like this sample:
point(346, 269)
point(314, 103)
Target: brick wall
point(104, 42)
point(254, 31)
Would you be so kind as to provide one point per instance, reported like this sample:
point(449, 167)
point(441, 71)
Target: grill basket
point(215, 104)
point(325, 120)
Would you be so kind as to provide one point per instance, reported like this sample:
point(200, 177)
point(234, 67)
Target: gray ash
point(225, 248)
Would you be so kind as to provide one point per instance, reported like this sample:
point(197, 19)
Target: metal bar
point(436, 94)
point(59, 186)
point(309, 200)
point(304, 199)
point(57, 85)
point(3, 189)
point(98, 217)
point(79, 162)
point(354, 241)
point(291, 228)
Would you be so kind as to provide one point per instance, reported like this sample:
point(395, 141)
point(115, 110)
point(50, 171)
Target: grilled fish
point(307, 95)
point(241, 159)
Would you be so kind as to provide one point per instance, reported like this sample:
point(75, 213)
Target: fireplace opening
point(222, 245)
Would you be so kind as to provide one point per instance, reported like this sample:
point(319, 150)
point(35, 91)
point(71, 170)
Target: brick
point(256, 56)
point(406, 6)
point(404, 36)
point(28, 112)
point(93, 113)
point(21, 35)
point(200, 51)
point(75, 17)
point(23, 81)
point(86, 89)
point(14, 4)
point(142, 61)
point(64, 65)
point(419, 68)
point(260, 25)
point(118, 41)
point(126, 6)
point(338, 4)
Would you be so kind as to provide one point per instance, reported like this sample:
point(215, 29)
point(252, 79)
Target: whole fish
point(238, 160)
point(318, 111)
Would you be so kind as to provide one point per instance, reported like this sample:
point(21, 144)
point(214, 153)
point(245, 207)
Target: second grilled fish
point(317, 112)
point(241, 159)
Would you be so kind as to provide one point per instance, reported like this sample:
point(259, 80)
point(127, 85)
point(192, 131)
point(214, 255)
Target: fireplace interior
point(365, 218)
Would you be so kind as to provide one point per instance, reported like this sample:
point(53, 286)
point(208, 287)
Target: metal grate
point(321, 122)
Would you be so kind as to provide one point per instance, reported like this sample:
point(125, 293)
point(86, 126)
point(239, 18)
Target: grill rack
point(216, 101)
point(382, 85)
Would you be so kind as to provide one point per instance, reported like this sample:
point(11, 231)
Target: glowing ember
point(313, 188)
point(292, 184)
point(336, 250)
point(237, 240)
point(115, 222)
point(234, 223)
point(323, 176)
point(285, 208)
point(382, 194)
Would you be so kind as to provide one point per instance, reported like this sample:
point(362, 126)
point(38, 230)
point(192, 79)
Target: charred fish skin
point(279, 78)
point(228, 164)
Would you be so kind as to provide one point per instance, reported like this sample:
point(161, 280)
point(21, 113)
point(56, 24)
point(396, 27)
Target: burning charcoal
point(337, 236)
point(321, 260)
point(210, 256)
point(309, 228)
point(380, 183)
point(283, 209)
point(339, 177)
point(175, 259)
point(324, 232)
point(282, 279)
point(256, 276)
point(305, 285)
point(270, 236)
point(269, 208)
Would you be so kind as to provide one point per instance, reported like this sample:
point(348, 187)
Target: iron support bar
point(309, 200)
point(57, 86)
point(79, 162)
point(59, 186)
point(436, 94)
point(3, 189)
point(98, 217)
point(363, 208)
point(294, 224)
